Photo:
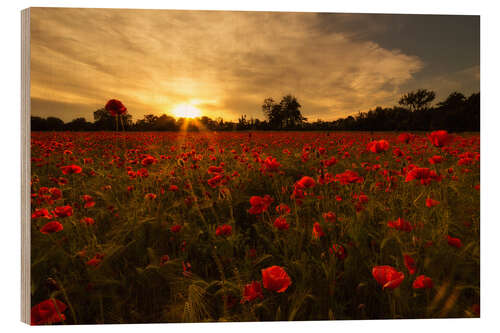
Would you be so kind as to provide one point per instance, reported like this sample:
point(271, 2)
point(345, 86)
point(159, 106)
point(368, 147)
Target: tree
point(55, 124)
point(103, 120)
point(453, 113)
point(290, 109)
point(165, 123)
point(78, 124)
point(38, 124)
point(286, 114)
point(417, 100)
point(453, 101)
point(242, 123)
point(272, 111)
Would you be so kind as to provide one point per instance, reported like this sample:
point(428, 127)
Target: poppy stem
point(392, 304)
point(121, 121)
point(72, 310)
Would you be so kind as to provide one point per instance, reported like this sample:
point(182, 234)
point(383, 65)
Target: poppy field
point(148, 227)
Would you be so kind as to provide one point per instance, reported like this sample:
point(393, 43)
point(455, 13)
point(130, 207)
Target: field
point(253, 226)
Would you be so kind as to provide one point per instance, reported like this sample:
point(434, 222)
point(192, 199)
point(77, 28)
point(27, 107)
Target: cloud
point(226, 62)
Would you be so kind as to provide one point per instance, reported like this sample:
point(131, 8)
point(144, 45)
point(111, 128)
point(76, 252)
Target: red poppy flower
point(252, 291)
point(224, 230)
point(71, 169)
point(422, 282)
point(387, 276)
point(51, 227)
point(276, 279)
point(89, 201)
point(63, 211)
point(330, 161)
point(63, 181)
point(283, 209)
point(43, 190)
point(410, 264)
point(115, 107)
point(150, 196)
point(271, 165)
point(55, 193)
point(378, 146)
point(405, 137)
point(216, 180)
point(281, 224)
point(49, 312)
point(424, 175)
point(186, 269)
point(215, 169)
point(339, 251)
point(439, 138)
point(164, 259)
point(465, 161)
point(96, 260)
point(143, 172)
point(362, 198)
point(400, 224)
point(259, 204)
point(173, 188)
point(87, 220)
point(175, 228)
point(87, 198)
point(435, 159)
point(348, 177)
point(41, 212)
point(330, 217)
point(306, 182)
point(456, 242)
point(431, 202)
point(148, 160)
point(317, 232)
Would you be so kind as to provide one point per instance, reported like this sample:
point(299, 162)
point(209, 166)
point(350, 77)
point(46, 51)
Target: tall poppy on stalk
point(116, 109)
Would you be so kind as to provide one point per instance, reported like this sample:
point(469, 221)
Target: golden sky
point(227, 63)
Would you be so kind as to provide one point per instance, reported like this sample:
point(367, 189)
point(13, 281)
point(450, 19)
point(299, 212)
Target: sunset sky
point(226, 63)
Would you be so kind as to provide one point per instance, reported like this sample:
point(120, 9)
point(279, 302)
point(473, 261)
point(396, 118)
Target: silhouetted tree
point(104, 121)
point(55, 124)
point(455, 113)
point(286, 114)
point(38, 124)
point(290, 109)
point(165, 123)
point(417, 100)
point(242, 123)
point(272, 111)
point(79, 124)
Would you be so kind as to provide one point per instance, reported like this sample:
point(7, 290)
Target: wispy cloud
point(225, 62)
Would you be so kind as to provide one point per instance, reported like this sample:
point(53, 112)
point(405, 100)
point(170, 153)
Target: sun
point(186, 111)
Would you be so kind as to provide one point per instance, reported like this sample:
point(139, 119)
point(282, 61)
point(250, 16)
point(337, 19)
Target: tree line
point(457, 113)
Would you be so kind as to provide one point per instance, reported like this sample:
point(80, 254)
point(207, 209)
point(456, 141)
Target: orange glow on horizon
point(186, 111)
